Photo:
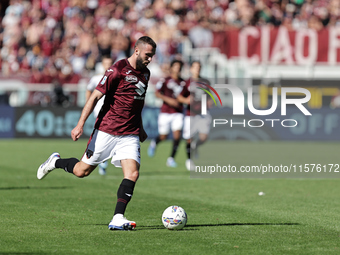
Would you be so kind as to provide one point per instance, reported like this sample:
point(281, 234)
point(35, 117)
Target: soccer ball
point(174, 217)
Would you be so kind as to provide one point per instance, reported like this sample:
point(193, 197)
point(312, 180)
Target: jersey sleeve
point(160, 85)
point(185, 91)
point(109, 81)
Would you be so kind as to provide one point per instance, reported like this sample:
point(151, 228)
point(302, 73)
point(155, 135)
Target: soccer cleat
point(152, 149)
point(171, 162)
point(102, 168)
point(190, 165)
point(47, 166)
point(119, 222)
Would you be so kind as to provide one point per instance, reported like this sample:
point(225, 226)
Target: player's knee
point(133, 176)
point(203, 139)
point(81, 174)
point(162, 137)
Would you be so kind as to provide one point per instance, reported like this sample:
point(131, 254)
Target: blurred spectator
point(71, 36)
point(58, 97)
point(200, 35)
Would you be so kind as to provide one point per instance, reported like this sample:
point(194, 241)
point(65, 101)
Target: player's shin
point(188, 150)
point(66, 164)
point(175, 147)
point(124, 195)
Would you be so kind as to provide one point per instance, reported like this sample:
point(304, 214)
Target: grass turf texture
point(62, 214)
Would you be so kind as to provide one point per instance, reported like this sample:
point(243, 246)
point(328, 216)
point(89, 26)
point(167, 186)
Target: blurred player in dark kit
point(171, 115)
point(194, 122)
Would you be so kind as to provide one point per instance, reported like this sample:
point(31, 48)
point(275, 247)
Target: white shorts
point(169, 120)
point(103, 146)
point(98, 107)
point(196, 124)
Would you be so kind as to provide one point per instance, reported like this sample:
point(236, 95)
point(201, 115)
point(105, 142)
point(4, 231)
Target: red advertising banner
point(269, 45)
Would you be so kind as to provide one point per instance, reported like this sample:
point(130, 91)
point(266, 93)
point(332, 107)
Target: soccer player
point(118, 129)
point(106, 63)
point(194, 121)
point(171, 115)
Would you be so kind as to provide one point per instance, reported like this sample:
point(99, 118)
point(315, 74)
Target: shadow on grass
point(194, 226)
point(242, 224)
point(18, 253)
point(191, 226)
point(28, 187)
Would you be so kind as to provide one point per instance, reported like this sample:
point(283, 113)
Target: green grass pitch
point(62, 214)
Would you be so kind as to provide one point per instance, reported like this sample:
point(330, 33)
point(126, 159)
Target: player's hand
point(173, 102)
point(76, 133)
point(187, 100)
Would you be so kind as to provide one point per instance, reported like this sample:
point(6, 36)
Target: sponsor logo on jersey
point(103, 80)
point(110, 70)
point(128, 71)
point(131, 78)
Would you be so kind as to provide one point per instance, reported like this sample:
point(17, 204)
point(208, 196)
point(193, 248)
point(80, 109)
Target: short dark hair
point(106, 56)
point(146, 40)
point(196, 61)
point(176, 61)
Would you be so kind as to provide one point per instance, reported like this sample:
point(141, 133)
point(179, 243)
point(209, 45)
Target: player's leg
point(102, 166)
point(202, 138)
point(189, 164)
point(127, 156)
point(175, 143)
point(124, 194)
point(163, 131)
point(203, 129)
point(98, 150)
point(70, 165)
point(176, 127)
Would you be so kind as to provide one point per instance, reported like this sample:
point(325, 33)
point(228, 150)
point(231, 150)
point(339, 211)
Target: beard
point(139, 63)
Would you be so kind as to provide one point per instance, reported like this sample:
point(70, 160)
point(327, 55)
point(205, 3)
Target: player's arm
point(87, 110)
point(169, 100)
point(184, 96)
point(88, 94)
point(210, 103)
point(183, 100)
point(159, 93)
point(90, 87)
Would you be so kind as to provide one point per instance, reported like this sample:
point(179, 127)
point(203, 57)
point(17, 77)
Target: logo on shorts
point(131, 78)
point(89, 153)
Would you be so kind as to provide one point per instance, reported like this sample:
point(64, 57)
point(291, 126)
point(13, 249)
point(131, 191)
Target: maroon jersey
point(170, 88)
point(190, 88)
point(124, 89)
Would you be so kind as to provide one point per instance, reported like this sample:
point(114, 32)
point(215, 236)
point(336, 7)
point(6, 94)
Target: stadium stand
point(45, 41)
